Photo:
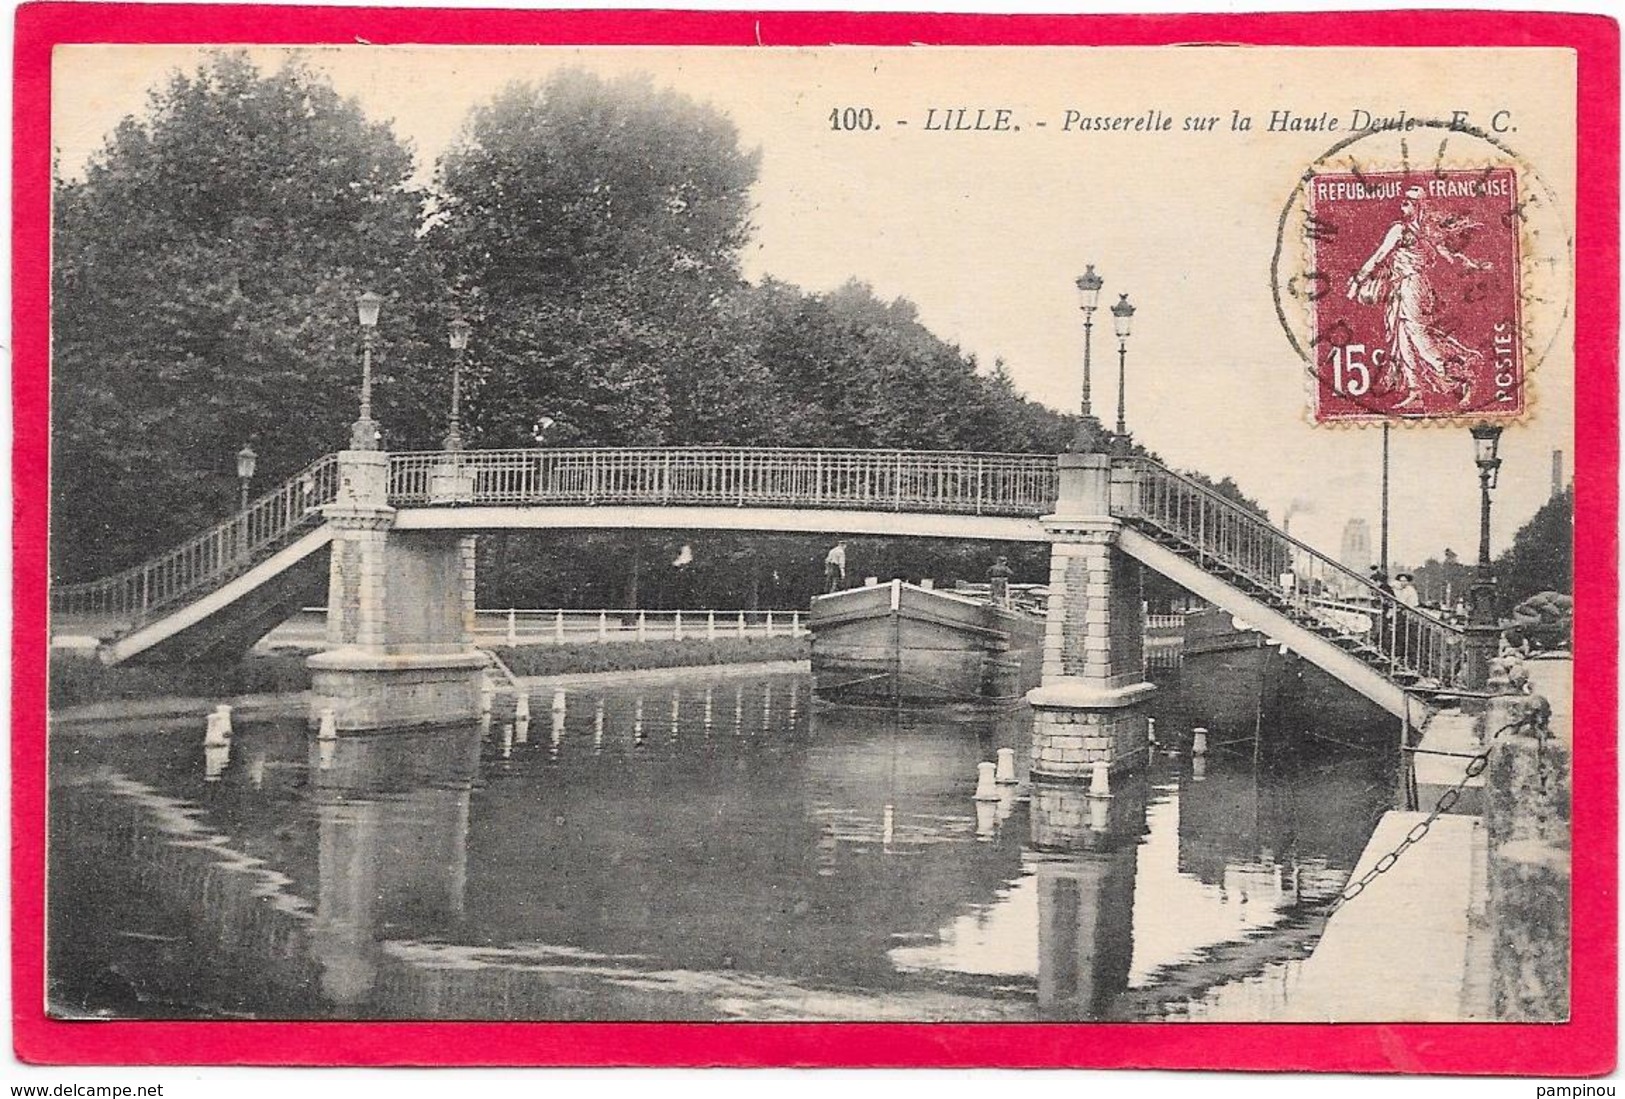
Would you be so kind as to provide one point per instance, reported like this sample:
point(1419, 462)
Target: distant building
point(1356, 552)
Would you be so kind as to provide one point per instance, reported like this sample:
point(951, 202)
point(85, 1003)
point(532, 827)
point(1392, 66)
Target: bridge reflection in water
point(718, 848)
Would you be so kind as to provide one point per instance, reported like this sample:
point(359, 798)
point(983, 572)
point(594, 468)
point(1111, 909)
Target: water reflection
point(392, 819)
point(816, 863)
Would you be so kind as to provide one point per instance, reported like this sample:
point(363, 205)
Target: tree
point(1541, 558)
point(850, 370)
point(595, 225)
point(1444, 582)
point(204, 276)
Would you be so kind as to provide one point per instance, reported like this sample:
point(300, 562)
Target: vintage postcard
point(558, 522)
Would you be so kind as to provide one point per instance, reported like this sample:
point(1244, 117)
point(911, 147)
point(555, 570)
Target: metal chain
point(1446, 802)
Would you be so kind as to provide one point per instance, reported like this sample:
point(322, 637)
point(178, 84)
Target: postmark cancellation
point(1421, 288)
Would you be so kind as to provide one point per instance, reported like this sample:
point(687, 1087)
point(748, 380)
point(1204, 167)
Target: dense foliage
point(1541, 558)
point(590, 229)
point(203, 280)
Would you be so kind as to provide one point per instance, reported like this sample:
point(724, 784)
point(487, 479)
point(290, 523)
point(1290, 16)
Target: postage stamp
point(1420, 314)
point(1422, 273)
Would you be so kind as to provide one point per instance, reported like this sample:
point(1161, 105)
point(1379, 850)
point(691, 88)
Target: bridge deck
point(697, 517)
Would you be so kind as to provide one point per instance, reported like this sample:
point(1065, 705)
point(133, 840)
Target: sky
point(985, 230)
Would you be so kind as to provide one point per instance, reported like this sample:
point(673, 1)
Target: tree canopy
point(590, 229)
point(595, 227)
point(204, 276)
point(1541, 558)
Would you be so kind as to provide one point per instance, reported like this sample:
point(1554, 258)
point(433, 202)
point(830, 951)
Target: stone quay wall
point(1528, 791)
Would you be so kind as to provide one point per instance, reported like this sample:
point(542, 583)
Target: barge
point(907, 644)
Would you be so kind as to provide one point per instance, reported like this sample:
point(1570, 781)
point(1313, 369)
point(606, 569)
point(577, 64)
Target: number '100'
point(851, 118)
point(1351, 370)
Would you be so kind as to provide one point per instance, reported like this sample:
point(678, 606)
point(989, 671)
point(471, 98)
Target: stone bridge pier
point(400, 614)
point(1086, 708)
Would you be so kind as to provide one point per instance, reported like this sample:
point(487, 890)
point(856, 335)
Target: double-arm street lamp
point(1483, 623)
point(1122, 321)
point(458, 332)
point(1088, 284)
point(364, 432)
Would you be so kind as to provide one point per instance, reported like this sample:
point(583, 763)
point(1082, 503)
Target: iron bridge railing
point(1220, 536)
point(211, 558)
point(1408, 645)
point(1022, 485)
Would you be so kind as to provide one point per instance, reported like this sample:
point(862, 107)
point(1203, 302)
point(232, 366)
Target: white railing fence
point(564, 626)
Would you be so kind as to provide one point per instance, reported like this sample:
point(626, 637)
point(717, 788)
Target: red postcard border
point(1583, 1046)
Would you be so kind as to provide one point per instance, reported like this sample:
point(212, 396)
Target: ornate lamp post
point(1122, 321)
point(1089, 285)
point(364, 432)
point(458, 332)
point(245, 473)
point(1483, 624)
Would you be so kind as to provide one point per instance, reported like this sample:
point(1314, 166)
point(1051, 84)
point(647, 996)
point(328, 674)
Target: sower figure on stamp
point(1421, 354)
point(835, 568)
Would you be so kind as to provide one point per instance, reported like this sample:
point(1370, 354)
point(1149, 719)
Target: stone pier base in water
point(1074, 729)
point(371, 690)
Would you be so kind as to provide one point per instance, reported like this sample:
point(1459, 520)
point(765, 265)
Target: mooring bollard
point(1198, 741)
point(987, 820)
point(328, 727)
point(1100, 780)
point(1006, 773)
point(1100, 813)
point(986, 787)
point(217, 727)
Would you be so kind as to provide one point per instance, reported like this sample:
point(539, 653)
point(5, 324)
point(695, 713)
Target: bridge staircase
point(1326, 612)
point(214, 595)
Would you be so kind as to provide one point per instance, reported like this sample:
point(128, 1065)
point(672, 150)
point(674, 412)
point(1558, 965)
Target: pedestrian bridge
point(222, 590)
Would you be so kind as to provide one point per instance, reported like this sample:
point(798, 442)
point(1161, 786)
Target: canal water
point(710, 847)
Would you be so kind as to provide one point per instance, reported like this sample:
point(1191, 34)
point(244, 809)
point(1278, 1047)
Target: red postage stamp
point(1417, 309)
